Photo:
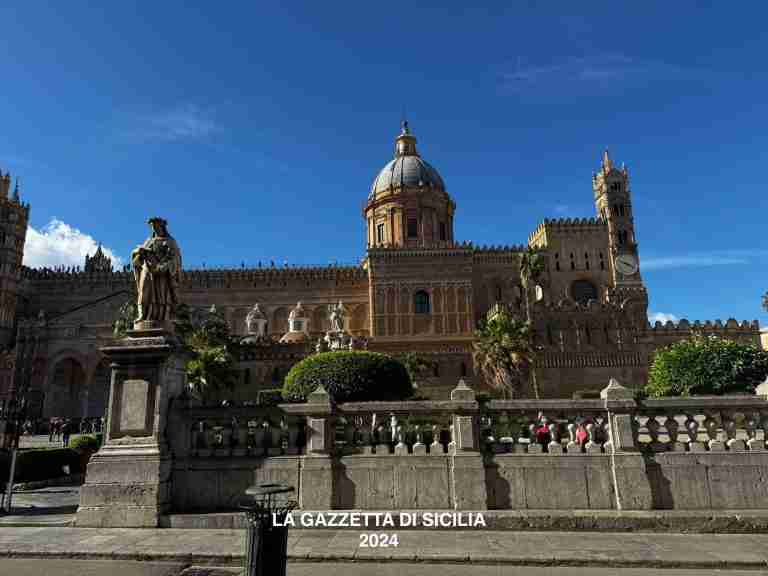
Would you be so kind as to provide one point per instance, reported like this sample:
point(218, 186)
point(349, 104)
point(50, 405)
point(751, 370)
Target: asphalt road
point(33, 567)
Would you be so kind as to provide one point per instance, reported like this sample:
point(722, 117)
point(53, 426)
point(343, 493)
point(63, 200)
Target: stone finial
point(462, 392)
point(762, 389)
point(615, 391)
point(319, 396)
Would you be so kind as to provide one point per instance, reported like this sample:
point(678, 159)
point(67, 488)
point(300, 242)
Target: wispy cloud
point(662, 317)
point(59, 244)
point(703, 259)
point(184, 122)
point(596, 69)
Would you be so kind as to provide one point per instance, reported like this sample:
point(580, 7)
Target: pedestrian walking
point(65, 432)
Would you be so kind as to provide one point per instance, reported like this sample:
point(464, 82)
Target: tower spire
point(16, 195)
point(607, 163)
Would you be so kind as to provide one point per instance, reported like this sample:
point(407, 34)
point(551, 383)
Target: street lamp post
point(26, 346)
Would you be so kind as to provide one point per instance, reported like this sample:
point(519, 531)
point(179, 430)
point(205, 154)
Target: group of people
point(60, 429)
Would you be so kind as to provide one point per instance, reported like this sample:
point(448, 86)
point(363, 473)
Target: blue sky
point(256, 128)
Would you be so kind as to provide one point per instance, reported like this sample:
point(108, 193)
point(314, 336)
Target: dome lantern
point(408, 204)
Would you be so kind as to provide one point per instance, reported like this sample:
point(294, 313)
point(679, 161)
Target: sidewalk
point(226, 547)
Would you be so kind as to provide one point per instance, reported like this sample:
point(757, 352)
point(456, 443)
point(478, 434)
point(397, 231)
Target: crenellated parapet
point(194, 278)
point(571, 226)
point(669, 332)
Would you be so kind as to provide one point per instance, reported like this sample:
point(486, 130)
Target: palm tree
point(531, 268)
point(502, 352)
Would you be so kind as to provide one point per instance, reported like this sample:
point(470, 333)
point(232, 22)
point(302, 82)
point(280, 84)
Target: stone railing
point(702, 424)
point(567, 427)
point(237, 431)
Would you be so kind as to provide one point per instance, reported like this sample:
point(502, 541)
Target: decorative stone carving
point(336, 317)
point(256, 322)
point(157, 272)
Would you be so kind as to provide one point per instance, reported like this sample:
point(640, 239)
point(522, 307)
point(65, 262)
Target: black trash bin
point(266, 544)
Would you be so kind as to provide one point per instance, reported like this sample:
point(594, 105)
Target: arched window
point(498, 293)
point(582, 291)
point(421, 302)
point(463, 369)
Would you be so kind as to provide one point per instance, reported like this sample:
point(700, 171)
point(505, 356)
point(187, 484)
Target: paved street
point(31, 567)
point(53, 506)
point(226, 547)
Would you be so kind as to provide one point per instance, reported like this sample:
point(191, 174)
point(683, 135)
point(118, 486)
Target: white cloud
point(595, 69)
point(59, 244)
point(662, 317)
point(183, 122)
point(704, 259)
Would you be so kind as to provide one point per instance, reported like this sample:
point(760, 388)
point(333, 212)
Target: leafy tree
point(503, 352)
point(349, 376)
point(206, 335)
point(417, 365)
point(765, 301)
point(706, 365)
point(531, 268)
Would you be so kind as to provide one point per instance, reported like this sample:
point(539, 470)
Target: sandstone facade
point(416, 289)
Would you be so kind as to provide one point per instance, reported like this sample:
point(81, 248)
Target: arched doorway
point(67, 390)
point(98, 391)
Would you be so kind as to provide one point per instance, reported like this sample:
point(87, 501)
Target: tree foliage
point(706, 365)
point(417, 365)
point(531, 269)
point(765, 301)
point(207, 336)
point(503, 352)
point(349, 376)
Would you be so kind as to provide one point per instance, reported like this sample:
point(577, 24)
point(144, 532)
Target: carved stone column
point(128, 481)
point(468, 487)
point(631, 485)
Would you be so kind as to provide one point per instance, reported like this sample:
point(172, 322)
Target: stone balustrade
point(615, 452)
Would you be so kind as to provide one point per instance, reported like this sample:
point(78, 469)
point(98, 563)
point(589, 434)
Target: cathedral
point(416, 289)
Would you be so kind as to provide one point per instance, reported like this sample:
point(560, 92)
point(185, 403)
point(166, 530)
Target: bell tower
point(14, 217)
point(613, 202)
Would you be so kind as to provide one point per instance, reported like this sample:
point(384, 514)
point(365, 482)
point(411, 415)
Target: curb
point(452, 559)
point(71, 480)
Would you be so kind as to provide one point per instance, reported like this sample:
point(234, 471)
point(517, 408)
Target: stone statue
point(157, 270)
point(255, 321)
point(336, 317)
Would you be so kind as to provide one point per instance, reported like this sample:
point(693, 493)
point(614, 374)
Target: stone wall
point(601, 454)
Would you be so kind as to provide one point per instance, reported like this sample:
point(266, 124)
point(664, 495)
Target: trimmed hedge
point(354, 376)
point(42, 464)
point(90, 442)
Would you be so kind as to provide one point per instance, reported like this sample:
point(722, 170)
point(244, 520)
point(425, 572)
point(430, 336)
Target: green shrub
point(89, 442)
point(43, 464)
point(706, 365)
point(355, 376)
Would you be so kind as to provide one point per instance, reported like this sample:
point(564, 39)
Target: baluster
point(506, 440)
point(533, 445)
point(711, 427)
point(348, 435)
point(673, 431)
point(729, 426)
point(573, 446)
point(451, 441)
point(554, 446)
point(257, 448)
point(419, 448)
point(366, 435)
point(241, 434)
point(272, 435)
point(382, 444)
point(436, 448)
point(392, 429)
point(401, 448)
point(592, 446)
point(751, 422)
point(692, 429)
point(652, 425)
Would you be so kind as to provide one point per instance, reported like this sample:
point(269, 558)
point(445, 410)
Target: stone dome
point(407, 169)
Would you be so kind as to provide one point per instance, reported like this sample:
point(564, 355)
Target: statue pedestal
point(127, 482)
